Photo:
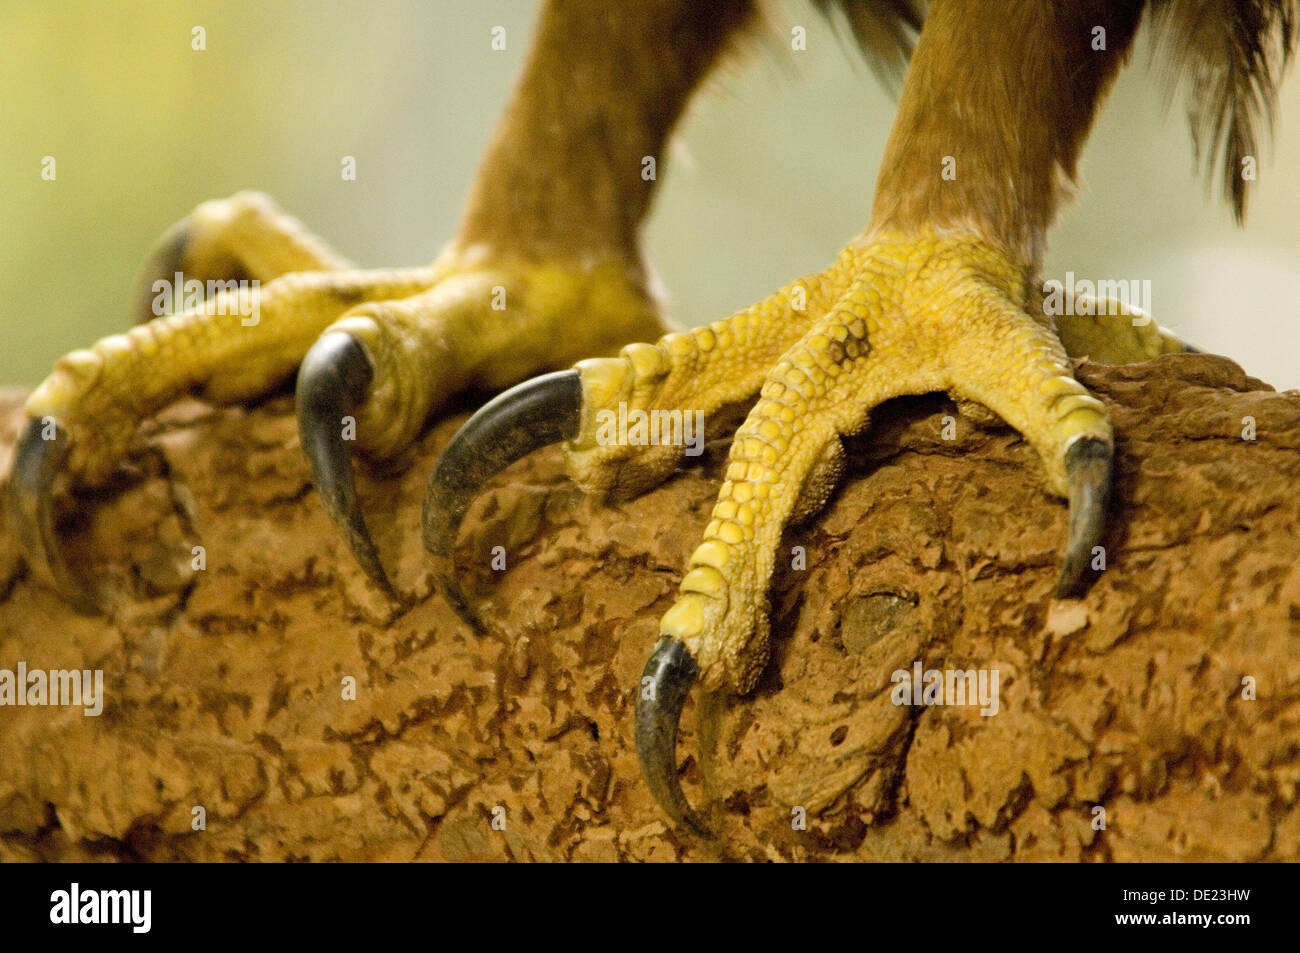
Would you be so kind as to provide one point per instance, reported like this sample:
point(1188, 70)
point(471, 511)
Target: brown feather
point(886, 30)
point(1231, 53)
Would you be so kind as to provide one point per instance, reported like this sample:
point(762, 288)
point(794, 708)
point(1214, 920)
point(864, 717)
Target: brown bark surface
point(225, 686)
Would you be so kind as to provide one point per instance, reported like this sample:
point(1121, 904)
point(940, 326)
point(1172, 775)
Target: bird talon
point(529, 416)
point(37, 462)
point(333, 381)
point(666, 682)
point(1088, 473)
point(162, 263)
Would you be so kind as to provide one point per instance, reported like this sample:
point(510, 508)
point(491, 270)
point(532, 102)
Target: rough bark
point(225, 685)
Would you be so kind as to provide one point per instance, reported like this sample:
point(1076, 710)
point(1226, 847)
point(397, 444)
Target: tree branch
point(225, 687)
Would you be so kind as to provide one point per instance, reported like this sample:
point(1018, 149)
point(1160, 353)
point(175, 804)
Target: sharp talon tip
point(449, 585)
point(36, 464)
point(333, 380)
point(665, 684)
point(531, 415)
point(1088, 473)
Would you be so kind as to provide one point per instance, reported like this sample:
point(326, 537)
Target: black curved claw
point(1087, 469)
point(37, 462)
point(529, 416)
point(333, 381)
point(665, 683)
point(161, 264)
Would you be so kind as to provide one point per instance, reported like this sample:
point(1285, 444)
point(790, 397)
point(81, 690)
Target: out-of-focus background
point(773, 172)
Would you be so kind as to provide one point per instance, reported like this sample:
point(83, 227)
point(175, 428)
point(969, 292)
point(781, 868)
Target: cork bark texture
point(225, 687)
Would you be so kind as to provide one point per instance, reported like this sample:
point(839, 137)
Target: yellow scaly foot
point(896, 314)
point(379, 351)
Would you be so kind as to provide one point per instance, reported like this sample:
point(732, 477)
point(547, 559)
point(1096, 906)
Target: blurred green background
point(772, 174)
